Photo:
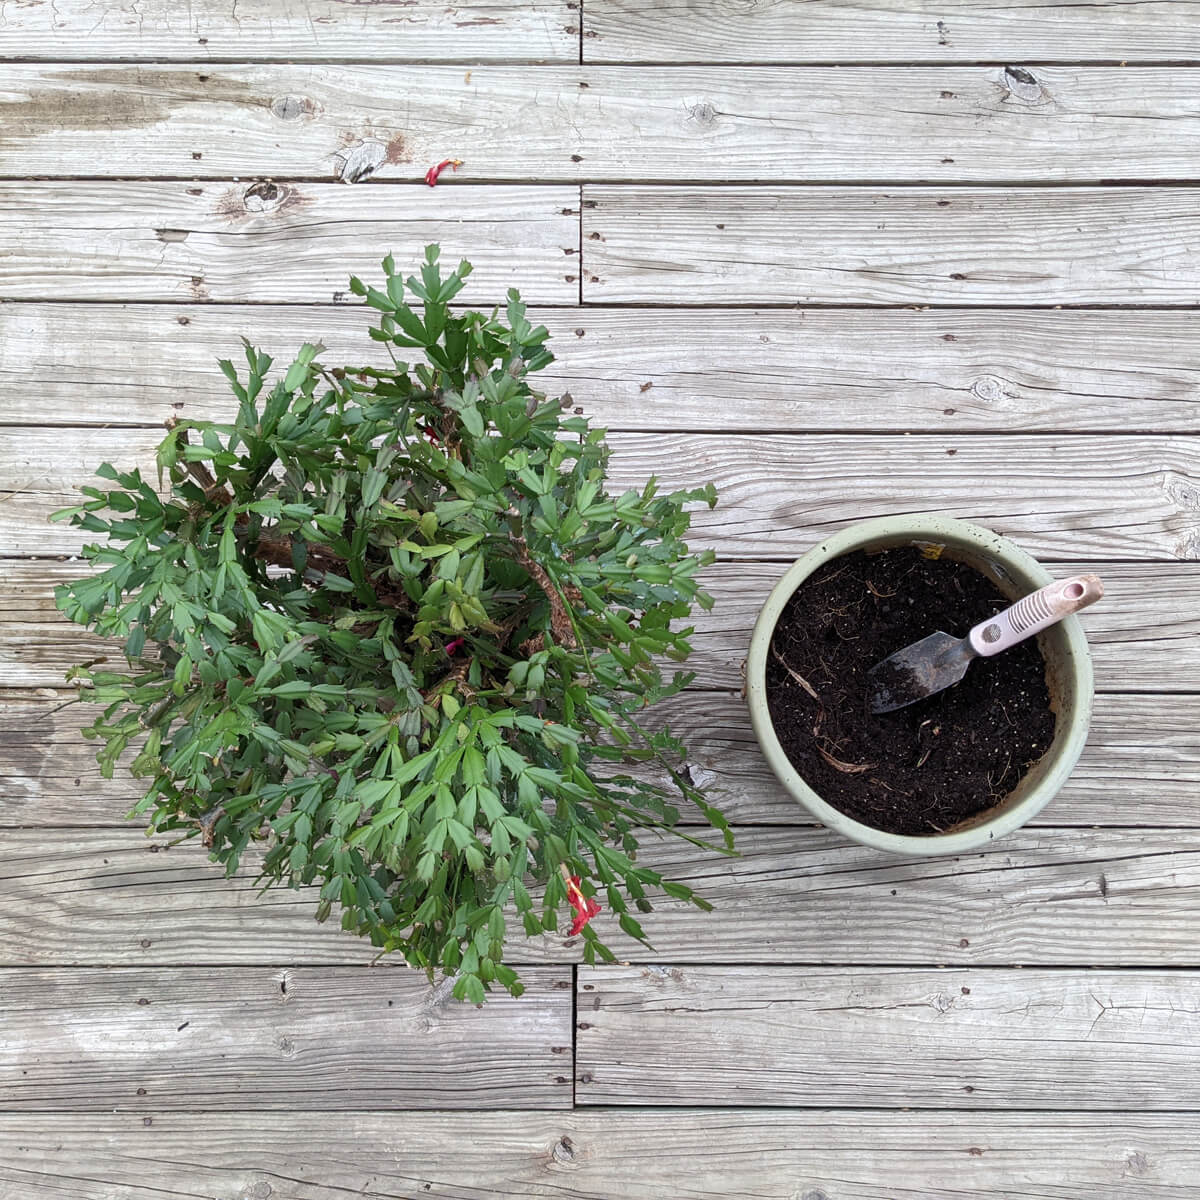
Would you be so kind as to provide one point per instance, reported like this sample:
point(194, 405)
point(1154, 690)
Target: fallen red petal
point(431, 176)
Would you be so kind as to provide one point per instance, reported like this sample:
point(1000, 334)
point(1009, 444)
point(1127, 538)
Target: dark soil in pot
point(922, 769)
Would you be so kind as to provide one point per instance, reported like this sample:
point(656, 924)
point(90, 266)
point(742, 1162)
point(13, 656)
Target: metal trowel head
point(941, 659)
point(919, 670)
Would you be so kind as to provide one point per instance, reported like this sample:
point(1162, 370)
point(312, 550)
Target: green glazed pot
point(1064, 647)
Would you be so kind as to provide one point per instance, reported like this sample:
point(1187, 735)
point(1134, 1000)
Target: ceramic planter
point(1064, 647)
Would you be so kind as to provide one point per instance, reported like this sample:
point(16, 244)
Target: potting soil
point(922, 769)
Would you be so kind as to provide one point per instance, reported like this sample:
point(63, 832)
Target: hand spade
point(940, 660)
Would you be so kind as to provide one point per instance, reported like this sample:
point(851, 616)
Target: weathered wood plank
point(50, 773)
point(764, 1154)
point(954, 1038)
point(416, 30)
point(275, 242)
point(888, 31)
point(994, 371)
point(161, 903)
point(1056, 897)
point(1139, 768)
point(1144, 635)
point(1103, 497)
point(350, 1038)
point(780, 124)
point(797, 245)
point(791, 371)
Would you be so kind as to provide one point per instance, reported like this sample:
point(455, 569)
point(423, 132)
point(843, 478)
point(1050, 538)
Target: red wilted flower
point(431, 176)
point(431, 434)
point(585, 908)
point(455, 646)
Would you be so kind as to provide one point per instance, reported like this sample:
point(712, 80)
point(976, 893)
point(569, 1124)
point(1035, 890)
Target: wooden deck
point(842, 259)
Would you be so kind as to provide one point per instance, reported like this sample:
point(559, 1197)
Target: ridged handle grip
point(1034, 612)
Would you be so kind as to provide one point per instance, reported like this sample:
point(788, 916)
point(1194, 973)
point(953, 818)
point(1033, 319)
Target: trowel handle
point(1034, 612)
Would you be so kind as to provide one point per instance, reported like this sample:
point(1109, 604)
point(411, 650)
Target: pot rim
point(1068, 741)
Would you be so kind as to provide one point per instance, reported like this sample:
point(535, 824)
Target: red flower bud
point(585, 908)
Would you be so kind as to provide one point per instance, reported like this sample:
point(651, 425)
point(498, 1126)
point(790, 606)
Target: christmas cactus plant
point(388, 635)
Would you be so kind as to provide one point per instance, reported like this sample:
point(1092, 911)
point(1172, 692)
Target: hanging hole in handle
point(1073, 591)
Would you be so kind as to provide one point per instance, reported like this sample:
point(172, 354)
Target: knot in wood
point(1137, 1163)
point(988, 388)
point(263, 197)
point(1023, 85)
point(293, 108)
point(701, 113)
point(288, 108)
point(1181, 491)
point(564, 1150)
point(360, 161)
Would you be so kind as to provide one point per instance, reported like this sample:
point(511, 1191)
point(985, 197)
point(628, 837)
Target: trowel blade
point(918, 671)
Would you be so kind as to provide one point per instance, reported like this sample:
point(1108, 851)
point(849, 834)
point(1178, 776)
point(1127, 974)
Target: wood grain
point(276, 242)
point(951, 1038)
point(570, 124)
point(1139, 767)
point(1110, 497)
point(50, 773)
point(161, 904)
point(416, 30)
point(762, 1154)
point(1143, 635)
point(797, 245)
point(1054, 897)
point(1103, 497)
point(731, 370)
point(889, 31)
point(765, 273)
point(1066, 897)
point(202, 1039)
